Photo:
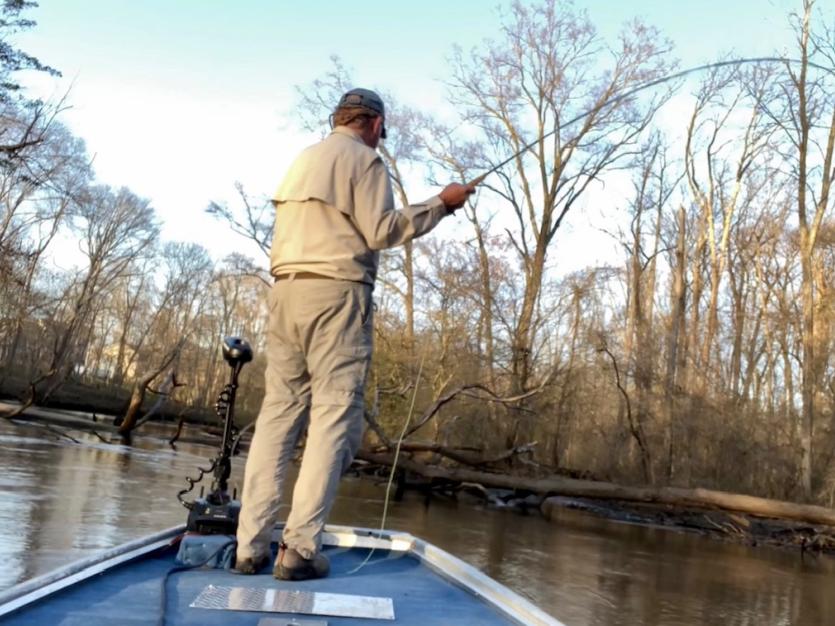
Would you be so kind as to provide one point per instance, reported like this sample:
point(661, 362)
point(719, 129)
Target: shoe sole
point(296, 574)
point(255, 568)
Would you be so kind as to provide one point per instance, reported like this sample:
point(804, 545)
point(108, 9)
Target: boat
point(377, 577)
point(184, 576)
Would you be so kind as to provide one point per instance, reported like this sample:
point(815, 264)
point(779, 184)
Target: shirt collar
point(348, 132)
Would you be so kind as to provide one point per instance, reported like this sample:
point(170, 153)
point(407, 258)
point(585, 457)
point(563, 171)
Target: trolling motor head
point(218, 511)
point(236, 351)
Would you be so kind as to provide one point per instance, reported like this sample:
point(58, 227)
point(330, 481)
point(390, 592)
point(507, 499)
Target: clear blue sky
point(180, 98)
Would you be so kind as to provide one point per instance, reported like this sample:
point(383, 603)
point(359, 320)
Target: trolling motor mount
point(217, 513)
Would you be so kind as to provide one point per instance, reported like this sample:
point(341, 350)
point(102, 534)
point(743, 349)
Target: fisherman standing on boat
point(334, 212)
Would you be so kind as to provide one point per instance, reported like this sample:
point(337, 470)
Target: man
point(334, 212)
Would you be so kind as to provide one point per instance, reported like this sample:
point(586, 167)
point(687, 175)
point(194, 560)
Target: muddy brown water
point(63, 501)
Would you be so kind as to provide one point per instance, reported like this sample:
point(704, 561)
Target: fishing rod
point(643, 87)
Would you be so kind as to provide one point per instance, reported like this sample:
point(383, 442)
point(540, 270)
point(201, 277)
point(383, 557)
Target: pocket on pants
point(352, 368)
point(341, 346)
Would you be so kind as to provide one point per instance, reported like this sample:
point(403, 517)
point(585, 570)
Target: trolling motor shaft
point(217, 513)
point(236, 352)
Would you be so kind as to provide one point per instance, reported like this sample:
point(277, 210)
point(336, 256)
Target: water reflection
point(63, 501)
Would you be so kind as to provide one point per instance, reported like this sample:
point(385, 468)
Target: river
point(63, 501)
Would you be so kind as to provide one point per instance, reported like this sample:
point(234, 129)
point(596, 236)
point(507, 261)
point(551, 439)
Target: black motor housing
point(209, 518)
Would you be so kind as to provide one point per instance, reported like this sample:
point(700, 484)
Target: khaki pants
point(318, 353)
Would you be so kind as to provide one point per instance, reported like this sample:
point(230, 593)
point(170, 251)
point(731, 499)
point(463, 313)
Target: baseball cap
point(362, 98)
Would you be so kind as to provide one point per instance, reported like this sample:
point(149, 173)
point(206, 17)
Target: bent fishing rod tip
point(652, 83)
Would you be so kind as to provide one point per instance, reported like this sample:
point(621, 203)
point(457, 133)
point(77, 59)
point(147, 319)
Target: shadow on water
point(64, 501)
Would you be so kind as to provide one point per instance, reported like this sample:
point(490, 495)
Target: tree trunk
point(675, 356)
point(808, 373)
point(137, 396)
point(486, 304)
point(523, 334)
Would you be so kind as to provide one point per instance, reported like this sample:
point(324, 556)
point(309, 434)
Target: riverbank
point(726, 525)
point(720, 525)
point(103, 426)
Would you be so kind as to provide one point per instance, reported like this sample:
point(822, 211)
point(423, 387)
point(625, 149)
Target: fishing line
point(642, 87)
point(394, 463)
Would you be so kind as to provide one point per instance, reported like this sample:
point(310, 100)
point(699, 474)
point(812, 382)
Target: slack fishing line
point(653, 83)
point(394, 465)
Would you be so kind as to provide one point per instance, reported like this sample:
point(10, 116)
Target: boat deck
point(131, 593)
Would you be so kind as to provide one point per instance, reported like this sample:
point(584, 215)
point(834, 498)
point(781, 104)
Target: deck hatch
point(271, 600)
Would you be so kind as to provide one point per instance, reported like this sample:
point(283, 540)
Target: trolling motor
point(217, 513)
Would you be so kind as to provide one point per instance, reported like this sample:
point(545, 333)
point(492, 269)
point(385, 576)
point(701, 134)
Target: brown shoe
point(251, 566)
point(293, 566)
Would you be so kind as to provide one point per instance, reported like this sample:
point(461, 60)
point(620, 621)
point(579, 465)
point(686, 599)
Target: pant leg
point(283, 415)
point(338, 349)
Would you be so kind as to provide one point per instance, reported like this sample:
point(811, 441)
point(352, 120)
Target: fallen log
point(732, 525)
point(675, 496)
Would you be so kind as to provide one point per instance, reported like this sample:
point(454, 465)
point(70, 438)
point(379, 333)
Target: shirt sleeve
point(380, 223)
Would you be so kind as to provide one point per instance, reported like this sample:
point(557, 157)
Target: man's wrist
point(436, 203)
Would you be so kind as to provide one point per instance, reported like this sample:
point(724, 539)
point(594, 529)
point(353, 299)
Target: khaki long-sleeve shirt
point(335, 211)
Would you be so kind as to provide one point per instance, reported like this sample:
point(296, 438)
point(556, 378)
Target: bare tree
point(254, 222)
point(115, 228)
point(188, 273)
point(37, 191)
point(523, 88)
point(447, 152)
point(803, 111)
point(654, 185)
point(717, 179)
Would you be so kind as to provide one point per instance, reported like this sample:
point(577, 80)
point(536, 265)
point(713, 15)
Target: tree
point(115, 229)
point(256, 225)
point(188, 272)
point(718, 164)
point(446, 152)
point(653, 185)
point(803, 111)
point(37, 192)
point(523, 88)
